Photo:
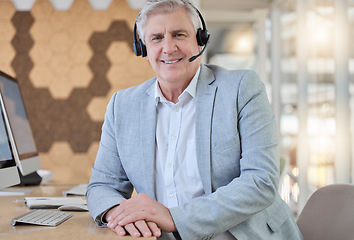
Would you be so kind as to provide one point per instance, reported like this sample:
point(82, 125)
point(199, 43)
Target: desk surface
point(78, 227)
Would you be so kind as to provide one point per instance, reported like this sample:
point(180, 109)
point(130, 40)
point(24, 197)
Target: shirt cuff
point(101, 218)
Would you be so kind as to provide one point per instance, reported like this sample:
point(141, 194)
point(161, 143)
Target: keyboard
point(42, 217)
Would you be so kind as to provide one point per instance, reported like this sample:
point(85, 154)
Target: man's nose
point(169, 45)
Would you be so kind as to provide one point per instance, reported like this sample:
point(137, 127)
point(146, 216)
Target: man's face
point(170, 41)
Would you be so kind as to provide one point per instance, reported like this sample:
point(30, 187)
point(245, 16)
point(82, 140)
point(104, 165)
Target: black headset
point(202, 39)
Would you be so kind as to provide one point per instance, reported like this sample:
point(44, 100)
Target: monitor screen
point(8, 170)
point(25, 152)
point(5, 149)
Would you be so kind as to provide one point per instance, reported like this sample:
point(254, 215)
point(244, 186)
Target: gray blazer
point(236, 144)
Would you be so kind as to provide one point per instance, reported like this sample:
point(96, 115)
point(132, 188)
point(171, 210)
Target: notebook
point(52, 202)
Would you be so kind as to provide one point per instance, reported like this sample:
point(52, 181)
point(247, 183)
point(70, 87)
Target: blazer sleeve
point(108, 174)
point(255, 188)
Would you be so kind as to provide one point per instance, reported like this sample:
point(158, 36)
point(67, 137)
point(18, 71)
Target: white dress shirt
point(177, 175)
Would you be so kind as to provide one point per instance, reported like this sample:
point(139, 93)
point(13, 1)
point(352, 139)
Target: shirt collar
point(191, 89)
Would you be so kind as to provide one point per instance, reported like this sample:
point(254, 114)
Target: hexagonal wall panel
point(97, 108)
point(7, 10)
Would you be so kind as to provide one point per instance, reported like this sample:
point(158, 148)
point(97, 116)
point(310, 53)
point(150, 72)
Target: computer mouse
point(74, 207)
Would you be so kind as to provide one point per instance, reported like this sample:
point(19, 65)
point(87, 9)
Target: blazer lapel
point(204, 110)
point(147, 133)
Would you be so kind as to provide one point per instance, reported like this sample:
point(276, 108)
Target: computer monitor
point(24, 147)
point(8, 171)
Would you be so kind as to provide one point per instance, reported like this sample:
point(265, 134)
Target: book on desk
point(52, 202)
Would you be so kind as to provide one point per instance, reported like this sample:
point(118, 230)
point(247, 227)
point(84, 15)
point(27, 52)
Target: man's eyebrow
point(179, 31)
point(155, 35)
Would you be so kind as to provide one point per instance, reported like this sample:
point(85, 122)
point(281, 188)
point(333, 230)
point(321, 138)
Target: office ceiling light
point(23, 5)
point(100, 4)
point(136, 4)
point(61, 4)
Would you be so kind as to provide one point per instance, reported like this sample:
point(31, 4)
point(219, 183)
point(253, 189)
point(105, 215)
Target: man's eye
point(157, 38)
point(179, 35)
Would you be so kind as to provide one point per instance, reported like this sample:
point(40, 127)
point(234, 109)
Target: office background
point(68, 64)
point(70, 56)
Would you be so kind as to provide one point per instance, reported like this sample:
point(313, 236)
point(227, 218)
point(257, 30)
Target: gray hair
point(152, 7)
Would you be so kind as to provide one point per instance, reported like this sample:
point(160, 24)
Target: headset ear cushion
point(137, 48)
point(142, 48)
point(202, 37)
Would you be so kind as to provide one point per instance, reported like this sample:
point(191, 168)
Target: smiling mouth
point(171, 62)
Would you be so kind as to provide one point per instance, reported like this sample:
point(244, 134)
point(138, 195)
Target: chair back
point(329, 214)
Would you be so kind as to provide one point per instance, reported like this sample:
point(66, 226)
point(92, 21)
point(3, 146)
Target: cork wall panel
point(68, 64)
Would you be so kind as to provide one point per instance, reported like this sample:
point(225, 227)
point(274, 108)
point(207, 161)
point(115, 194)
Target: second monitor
point(8, 170)
point(24, 147)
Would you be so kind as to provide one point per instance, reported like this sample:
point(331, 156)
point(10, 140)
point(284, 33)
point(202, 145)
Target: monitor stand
point(31, 179)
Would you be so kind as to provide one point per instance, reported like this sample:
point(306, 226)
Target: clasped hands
point(140, 216)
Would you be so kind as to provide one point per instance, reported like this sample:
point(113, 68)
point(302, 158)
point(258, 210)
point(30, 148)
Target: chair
point(329, 214)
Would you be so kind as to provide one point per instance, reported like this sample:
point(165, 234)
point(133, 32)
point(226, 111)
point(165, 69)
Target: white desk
point(78, 227)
